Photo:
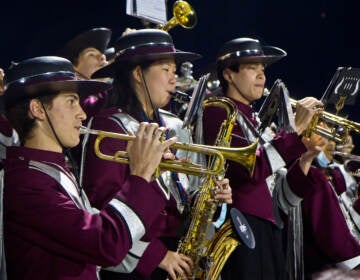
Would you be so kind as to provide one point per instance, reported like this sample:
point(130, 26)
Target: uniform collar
point(24, 153)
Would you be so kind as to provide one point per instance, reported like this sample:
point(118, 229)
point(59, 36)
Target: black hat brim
point(271, 55)
point(98, 38)
point(18, 92)
point(110, 70)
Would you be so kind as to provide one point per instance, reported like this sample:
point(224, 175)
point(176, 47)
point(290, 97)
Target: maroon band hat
point(247, 50)
point(144, 45)
point(43, 75)
point(97, 38)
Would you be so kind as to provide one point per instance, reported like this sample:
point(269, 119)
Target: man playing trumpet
point(50, 229)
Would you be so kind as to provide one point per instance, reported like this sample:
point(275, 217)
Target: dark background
point(318, 35)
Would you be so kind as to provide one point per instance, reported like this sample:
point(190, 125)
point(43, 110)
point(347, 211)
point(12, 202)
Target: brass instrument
point(210, 255)
point(338, 128)
point(183, 15)
point(235, 154)
point(351, 162)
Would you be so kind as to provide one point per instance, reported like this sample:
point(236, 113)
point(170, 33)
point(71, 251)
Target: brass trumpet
point(239, 155)
point(338, 127)
point(183, 15)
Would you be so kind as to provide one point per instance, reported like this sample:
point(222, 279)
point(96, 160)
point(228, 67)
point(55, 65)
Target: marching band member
point(241, 70)
point(87, 53)
point(8, 135)
point(50, 230)
point(144, 76)
point(331, 224)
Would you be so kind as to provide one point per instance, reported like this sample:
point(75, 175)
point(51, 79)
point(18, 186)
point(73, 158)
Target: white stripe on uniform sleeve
point(135, 225)
point(129, 263)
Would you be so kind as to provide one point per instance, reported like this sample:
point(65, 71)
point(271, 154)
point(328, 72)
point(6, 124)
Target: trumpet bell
point(183, 15)
point(246, 156)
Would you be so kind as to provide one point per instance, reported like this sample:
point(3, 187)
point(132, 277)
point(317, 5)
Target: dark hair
point(233, 67)
point(123, 94)
point(75, 60)
point(19, 119)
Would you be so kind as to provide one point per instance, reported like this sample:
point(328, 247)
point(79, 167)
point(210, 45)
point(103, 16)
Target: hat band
point(144, 50)
point(245, 53)
point(46, 77)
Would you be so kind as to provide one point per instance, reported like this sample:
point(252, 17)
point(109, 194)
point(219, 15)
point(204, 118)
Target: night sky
point(318, 35)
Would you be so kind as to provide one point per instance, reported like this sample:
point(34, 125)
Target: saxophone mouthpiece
point(266, 92)
point(180, 96)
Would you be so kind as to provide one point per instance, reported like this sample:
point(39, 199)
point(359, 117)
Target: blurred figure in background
point(331, 224)
point(8, 135)
point(87, 52)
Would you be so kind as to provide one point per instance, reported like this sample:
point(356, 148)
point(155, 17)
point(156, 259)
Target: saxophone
point(210, 254)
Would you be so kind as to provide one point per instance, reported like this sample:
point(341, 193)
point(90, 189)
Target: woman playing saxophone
point(144, 77)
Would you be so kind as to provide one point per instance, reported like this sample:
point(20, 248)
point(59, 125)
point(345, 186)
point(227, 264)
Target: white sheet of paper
point(152, 10)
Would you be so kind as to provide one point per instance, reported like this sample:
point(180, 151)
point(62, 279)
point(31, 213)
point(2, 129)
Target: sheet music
point(196, 100)
point(151, 10)
point(344, 84)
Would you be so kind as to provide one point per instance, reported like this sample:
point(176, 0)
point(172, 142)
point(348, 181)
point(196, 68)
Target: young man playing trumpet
point(50, 229)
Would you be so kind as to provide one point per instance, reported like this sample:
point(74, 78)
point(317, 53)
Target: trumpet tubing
point(243, 156)
point(346, 156)
point(351, 162)
point(338, 127)
point(165, 164)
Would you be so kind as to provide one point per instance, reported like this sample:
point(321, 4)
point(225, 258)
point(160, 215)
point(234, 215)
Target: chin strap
point(156, 113)
point(72, 164)
point(52, 127)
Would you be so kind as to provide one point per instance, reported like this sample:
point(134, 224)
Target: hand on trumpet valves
point(147, 150)
point(306, 108)
point(314, 144)
point(223, 191)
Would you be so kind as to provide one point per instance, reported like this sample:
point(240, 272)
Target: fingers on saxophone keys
point(223, 183)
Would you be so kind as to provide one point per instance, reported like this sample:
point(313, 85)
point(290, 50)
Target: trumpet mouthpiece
point(85, 130)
